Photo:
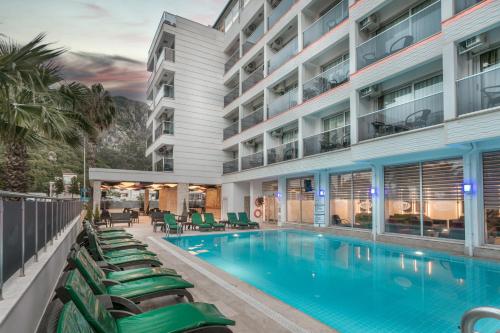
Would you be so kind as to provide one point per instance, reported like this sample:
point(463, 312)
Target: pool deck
point(253, 310)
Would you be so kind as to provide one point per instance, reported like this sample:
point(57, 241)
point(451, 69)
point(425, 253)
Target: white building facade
point(379, 119)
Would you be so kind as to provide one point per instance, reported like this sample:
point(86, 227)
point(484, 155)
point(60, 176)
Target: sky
point(107, 40)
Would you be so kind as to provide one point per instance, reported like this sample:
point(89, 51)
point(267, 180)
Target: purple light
point(321, 193)
point(467, 188)
point(278, 194)
point(373, 190)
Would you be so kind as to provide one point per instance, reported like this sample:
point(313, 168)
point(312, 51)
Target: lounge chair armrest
point(105, 265)
point(106, 301)
point(107, 269)
point(120, 313)
point(126, 303)
point(107, 282)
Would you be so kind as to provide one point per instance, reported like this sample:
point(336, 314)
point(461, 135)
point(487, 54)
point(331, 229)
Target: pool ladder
point(470, 318)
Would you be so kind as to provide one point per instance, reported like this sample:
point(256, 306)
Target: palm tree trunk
point(16, 167)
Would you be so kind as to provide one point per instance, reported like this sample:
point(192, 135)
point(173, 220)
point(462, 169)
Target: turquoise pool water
point(353, 285)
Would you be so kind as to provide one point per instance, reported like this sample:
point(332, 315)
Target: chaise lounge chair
point(242, 216)
point(171, 224)
point(233, 220)
point(198, 222)
point(209, 219)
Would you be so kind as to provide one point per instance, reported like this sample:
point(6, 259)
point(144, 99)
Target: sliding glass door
point(491, 197)
point(300, 200)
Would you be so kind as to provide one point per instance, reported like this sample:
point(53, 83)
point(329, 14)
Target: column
point(96, 195)
point(300, 137)
point(146, 200)
point(255, 193)
point(354, 113)
point(353, 41)
point(300, 84)
point(182, 196)
point(322, 199)
point(300, 28)
point(447, 9)
point(378, 216)
point(473, 202)
point(449, 81)
point(282, 200)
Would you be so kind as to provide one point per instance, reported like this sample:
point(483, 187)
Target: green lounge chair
point(171, 224)
point(243, 217)
point(88, 313)
point(209, 219)
point(233, 220)
point(198, 222)
point(136, 290)
point(80, 256)
point(94, 241)
point(103, 230)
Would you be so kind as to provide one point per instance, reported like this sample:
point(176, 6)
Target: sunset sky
point(107, 40)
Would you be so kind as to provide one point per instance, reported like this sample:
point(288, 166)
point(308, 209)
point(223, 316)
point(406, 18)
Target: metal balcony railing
point(326, 22)
point(230, 131)
point(165, 90)
point(284, 152)
point(233, 59)
point(478, 92)
point(337, 138)
point(253, 38)
point(419, 113)
point(230, 167)
point(231, 96)
point(327, 80)
point(164, 165)
point(255, 77)
point(282, 103)
point(278, 12)
point(252, 161)
point(415, 28)
point(283, 55)
point(252, 119)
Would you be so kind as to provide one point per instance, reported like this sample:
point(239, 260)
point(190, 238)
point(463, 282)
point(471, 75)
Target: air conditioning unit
point(251, 143)
point(251, 28)
point(275, 3)
point(276, 45)
point(280, 88)
point(369, 23)
point(369, 92)
point(250, 67)
point(474, 44)
point(277, 133)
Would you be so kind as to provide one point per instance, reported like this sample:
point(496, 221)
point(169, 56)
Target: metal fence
point(28, 224)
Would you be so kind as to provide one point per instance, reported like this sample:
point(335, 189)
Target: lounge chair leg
point(210, 329)
point(187, 294)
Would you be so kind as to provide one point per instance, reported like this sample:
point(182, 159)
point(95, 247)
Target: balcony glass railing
point(230, 166)
point(165, 165)
point(255, 77)
point(415, 28)
point(166, 54)
point(419, 113)
point(166, 127)
point(283, 55)
point(233, 59)
point(253, 38)
point(230, 131)
point(328, 141)
point(478, 92)
point(164, 91)
point(461, 5)
point(282, 103)
point(326, 22)
point(327, 80)
point(279, 11)
point(252, 161)
point(285, 152)
point(252, 119)
point(231, 96)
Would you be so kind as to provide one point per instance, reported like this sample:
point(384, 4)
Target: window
point(425, 199)
point(491, 197)
point(403, 16)
point(336, 121)
point(334, 62)
point(489, 59)
point(232, 16)
point(289, 136)
point(300, 200)
point(414, 91)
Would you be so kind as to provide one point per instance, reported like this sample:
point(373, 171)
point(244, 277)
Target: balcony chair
point(372, 57)
point(492, 95)
point(417, 119)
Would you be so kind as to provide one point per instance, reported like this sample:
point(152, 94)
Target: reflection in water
point(355, 286)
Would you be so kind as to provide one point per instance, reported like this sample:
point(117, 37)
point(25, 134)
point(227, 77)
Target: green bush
point(97, 214)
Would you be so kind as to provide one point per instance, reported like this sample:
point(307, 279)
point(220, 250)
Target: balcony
point(278, 12)
point(253, 38)
point(282, 103)
point(252, 161)
point(461, 5)
point(231, 96)
point(419, 113)
point(285, 152)
point(328, 141)
point(166, 54)
point(230, 131)
point(165, 90)
point(233, 59)
point(478, 92)
point(415, 28)
point(252, 119)
point(255, 77)
point(230, 167)
point(326, 22)
point(327, 80)
point(149, 141)
point(165, 165)
point(166, 127)
point(283, 55)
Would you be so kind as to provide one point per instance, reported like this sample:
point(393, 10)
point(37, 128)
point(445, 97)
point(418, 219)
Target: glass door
point(300, 200)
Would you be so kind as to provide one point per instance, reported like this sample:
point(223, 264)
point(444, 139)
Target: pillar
point(378, 216)
point(473, 202)
point(146, 200)
point(449, 81)
point(321, 199)
point(256, 192)
point(96, 195)
point(282, 200)
point(182, 196)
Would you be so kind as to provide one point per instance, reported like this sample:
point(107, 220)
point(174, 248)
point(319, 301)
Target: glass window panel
point(399, 96)
point(362, 203)
point(307, 200)
point(333, 122)
point(300, 200)
point(491, 197)
point(341, 200)
point(289, 136)
point(489, 59)
point(429, 86)
point(293, 191)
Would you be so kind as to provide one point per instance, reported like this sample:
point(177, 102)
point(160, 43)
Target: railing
point(282, 56)
point(327, 80)
point(255, 77)
point(328, 141)
point(326, 22)
point(166, 90)
point(231, 96)
point(419, 113)
point(166, 18)
point(285, 152)
point(167, 54)
point(415, 28)
point(253, 38)
point(166, 127)
point(164, 165)
point(278, 12)
point(478, 92)
point(28, 224)
point(461, 5)
point(149, 141)
point(230, 131)
point(252, 119)
point(252, 161)
point(233, 59)
point(230, 166)
point(282, 103)
point(471, 317)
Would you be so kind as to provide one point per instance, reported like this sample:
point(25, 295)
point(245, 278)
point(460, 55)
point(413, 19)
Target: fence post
point(54, 231)
point(36, 230)
point(23, 231)
point(45, 229)
point(1, 248)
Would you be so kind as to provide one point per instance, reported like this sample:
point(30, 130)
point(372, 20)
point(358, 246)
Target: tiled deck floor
point(248, 317)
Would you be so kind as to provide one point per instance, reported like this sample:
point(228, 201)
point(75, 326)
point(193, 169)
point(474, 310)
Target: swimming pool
point(354, 285)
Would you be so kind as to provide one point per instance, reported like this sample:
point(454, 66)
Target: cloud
point(94, 11)
point(120, 75)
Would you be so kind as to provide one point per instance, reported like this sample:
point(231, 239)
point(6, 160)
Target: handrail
point(391, 107)
point(494, 68)
point(324, 132)
point(328, 70)
point(324, 15)
point(470, 317)
point(29, 196)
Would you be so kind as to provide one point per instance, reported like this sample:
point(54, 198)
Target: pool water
point(353, 285)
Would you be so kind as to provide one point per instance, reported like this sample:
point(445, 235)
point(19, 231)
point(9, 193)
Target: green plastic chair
point(84, 312)
point(171, 224)
point(198, 222)
point(210, 220)
point(243, 217)
point(233, 220)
